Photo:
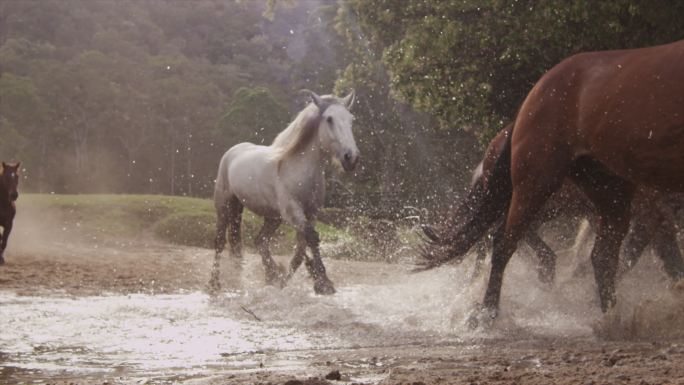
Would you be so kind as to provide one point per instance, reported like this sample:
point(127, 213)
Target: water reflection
point(138, 331)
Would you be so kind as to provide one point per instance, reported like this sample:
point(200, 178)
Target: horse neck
point(310, 155)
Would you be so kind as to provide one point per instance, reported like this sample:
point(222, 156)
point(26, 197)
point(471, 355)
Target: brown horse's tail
point(485, 204)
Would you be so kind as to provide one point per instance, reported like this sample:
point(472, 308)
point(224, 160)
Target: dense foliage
point(145, 96)
point(470, 63)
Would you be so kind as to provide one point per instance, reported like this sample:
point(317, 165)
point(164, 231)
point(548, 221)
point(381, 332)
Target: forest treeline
point(144, 96)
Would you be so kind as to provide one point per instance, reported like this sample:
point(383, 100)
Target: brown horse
point(567, 202)
point(610, 121)
point(9, 181)
point(481, 187)
point(652, 223)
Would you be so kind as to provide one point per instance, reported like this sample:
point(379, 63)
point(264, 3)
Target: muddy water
point(153, 323)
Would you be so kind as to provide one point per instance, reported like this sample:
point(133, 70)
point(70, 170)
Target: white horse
point(285, 181)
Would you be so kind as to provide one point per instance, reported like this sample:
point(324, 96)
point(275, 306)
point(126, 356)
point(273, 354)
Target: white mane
point(289, 139)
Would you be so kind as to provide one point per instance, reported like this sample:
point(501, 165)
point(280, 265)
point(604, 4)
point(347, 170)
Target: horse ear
point(348, 100)
point(314, 97)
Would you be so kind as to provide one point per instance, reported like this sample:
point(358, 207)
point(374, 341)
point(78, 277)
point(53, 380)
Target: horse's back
point(624, 108)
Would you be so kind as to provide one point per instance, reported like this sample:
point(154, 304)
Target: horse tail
point(486, 202)
point(221, 187)
point(477, 175)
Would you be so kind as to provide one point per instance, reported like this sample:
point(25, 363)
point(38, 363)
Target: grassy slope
point(179, 220)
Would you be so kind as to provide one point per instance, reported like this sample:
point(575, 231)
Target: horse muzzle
point(349, 161)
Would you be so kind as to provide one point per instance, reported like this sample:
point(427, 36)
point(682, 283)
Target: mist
point(144, 98)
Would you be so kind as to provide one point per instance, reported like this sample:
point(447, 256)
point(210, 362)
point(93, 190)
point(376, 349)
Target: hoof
point(481, 317)
point(214, 282)
point(324, 287)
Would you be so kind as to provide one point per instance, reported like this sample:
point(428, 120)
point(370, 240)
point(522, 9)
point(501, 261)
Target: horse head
point(10, 179)
point(335, 128)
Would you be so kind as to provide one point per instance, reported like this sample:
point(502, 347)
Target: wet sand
point(81, 269)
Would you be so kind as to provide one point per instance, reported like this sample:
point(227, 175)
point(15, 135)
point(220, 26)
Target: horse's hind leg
point(582, 239)
point(547, 257)
point(219, 244)
point(666, 247)
point(228, 214)
point(274, 273)
point(481, 248)
point(221, 225)
point(640, 234)
point(532, 183)
point(612, 198)
point(234, 218)
point(525, 203)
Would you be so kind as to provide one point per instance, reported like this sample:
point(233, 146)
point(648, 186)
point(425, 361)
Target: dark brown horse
point(610, 121)
point(9, 181)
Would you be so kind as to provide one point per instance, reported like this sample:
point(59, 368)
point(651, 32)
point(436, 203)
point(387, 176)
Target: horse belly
point(633, 119)
point(652, 156)
point(252, 179)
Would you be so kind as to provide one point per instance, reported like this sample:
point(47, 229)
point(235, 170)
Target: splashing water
point(377, 305)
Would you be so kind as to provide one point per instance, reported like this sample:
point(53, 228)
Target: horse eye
point(330, 119)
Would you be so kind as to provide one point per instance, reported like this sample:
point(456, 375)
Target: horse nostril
point(347, 156)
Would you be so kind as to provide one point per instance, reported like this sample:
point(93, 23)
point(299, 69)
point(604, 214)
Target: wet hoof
point(481, 318)
point(214, 282)
point(324, 286)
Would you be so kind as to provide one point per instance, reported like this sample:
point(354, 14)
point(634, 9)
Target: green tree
point(471, 63)
point(254, 115)
point(405, 160)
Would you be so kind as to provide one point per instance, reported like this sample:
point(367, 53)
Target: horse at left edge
point(9, 182)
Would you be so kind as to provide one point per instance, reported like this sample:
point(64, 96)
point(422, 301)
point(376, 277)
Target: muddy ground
point(67, 267)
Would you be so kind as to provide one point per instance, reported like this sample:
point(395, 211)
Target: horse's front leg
point(299, 256)
point(613, 223)
point(7, 229)
point(275, 274)
point(294, 215)
point(322, 284)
